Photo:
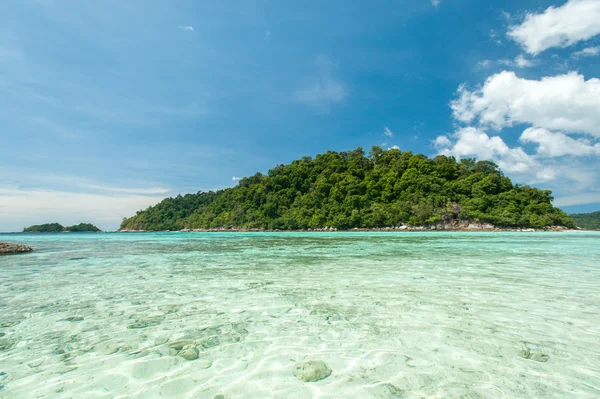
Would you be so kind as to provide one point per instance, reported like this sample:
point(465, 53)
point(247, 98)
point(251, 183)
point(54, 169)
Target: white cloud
point(474, 142)
point(442, 142)
point(388, 132)
point(187, 28)
point(574, 21)
point(557, 144)
point(587, 52)
point(394, 147)
point(520, 61)
point(523, 62)
point(235, 178)
point(494, 37)
point(578, 199)
point(567, 103)
point(435, 3)
point(484, 64)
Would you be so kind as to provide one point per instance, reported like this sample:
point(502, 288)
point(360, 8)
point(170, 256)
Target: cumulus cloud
point(235, 178)
point(563, 131)
point(567, 103)
point(587, 52)
point(562, 26)
point(557, 144)
point(475, 142)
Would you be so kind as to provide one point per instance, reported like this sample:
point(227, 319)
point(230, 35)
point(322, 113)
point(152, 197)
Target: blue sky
point(107, 106)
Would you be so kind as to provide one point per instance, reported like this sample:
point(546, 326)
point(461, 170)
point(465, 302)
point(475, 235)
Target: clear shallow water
point(394, 315)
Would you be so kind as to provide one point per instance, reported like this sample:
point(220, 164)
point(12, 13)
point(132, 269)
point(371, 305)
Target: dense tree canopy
point(349, 189)
point(587, 220)
point(59, 228)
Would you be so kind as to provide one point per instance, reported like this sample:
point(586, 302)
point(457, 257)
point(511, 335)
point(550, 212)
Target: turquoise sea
point(393, 315)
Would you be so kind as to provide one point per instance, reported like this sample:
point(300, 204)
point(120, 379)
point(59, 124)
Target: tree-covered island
point(346, 190)
point(589, 221)
point(59, 228)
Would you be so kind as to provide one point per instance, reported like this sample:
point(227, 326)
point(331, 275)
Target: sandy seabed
point(193, 315)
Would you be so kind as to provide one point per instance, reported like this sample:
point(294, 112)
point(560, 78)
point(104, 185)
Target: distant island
point(350, 190)
point(590, 221)
point(59, 228)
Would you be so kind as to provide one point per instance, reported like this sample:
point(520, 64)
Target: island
point(352, 190)
point(588, 221)
point(59, 228)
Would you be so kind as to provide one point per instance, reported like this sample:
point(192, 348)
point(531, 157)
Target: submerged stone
point(537, 356)
point(139, 324)
point(204, 364)
point(311, 371)
point(189, 353)
point(7, 324)
point(73, 319)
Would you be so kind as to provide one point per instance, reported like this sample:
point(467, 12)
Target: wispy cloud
point(187, 28)
point(326, 91)
point(587, 52)
point(578, 199)
point(235, 178)
point(435, 3)
point(388, 132)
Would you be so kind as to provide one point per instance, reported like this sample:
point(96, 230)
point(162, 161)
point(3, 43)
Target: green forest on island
point(348, 190)
point(589, 221)
point(59, 228)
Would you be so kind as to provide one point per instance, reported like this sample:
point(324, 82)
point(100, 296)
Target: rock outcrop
point(7, 248)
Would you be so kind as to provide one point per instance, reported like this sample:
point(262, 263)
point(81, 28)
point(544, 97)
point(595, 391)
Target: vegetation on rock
point(348, 190)
point(587, 220)
point(58, 228)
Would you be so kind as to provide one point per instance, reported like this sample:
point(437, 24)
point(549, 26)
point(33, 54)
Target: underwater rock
point(73, 319)
point(311, 371)
point(177, 346)
point(219, 396)
point(189, 353)
point(2, 334)
point(35, 364)
point(7, 248)
point(139, 324)
point(537, 356)
point(204, 364)
point(7, 324)
point(6, 345)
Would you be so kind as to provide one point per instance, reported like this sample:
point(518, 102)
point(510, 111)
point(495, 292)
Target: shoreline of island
point(454, 227)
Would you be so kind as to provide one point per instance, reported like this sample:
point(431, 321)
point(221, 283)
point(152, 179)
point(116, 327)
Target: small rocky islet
point(7, 248)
